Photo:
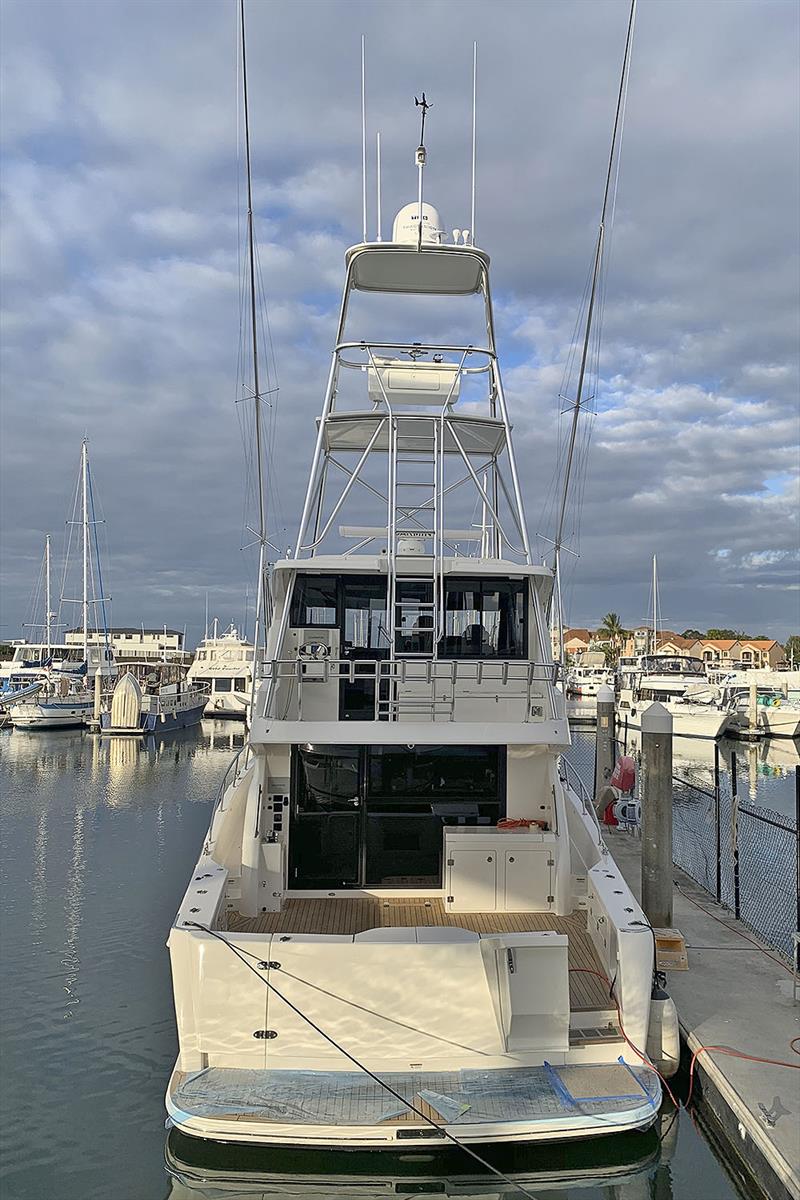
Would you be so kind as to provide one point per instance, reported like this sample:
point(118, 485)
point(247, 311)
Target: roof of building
point(584, 635)
point(674, 639)
point(159, 631)
point(717, 643)
point(759, 643)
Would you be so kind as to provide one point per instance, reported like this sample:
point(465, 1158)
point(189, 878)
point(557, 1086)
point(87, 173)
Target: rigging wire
point(441, 1129)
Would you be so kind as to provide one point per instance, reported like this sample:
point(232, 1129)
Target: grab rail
point(403, 671)
point(571, 777)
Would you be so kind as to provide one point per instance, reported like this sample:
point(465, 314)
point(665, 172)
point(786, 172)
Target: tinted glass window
point(365, 614)
point(430, 773)
point(327, 778)
point(314, 602)
point(484, 619)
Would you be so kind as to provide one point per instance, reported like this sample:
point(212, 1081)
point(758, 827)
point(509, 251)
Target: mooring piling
point(656, 796)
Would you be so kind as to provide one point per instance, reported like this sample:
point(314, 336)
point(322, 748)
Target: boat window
point(484, 619)
point(364, 609)
point(221, 684)
point(314, 602)
point(327, 777)
point(429, 773)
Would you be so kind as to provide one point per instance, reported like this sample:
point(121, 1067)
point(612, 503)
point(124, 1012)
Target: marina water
point(98, 838)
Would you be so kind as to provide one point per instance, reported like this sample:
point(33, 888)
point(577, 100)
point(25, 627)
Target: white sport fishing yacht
point(223, 665)
point(404, 925)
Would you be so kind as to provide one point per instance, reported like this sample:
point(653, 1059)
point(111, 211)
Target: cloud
point(124, 315)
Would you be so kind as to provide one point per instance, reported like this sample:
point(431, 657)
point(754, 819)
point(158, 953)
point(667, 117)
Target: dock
point(737, 993)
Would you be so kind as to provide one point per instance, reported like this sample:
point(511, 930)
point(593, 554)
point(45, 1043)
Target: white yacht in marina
point(223, 665)
point(679, 682)
point(404, 925)
point(759, 709)
point(588, 675)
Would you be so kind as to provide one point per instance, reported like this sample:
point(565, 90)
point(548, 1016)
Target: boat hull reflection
point(200, 1170)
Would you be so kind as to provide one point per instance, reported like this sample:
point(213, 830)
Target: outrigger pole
point(262, 601)
point(598, 259)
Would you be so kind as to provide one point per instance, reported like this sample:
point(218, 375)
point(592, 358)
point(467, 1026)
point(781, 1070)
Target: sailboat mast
point(655, 606)
point(85, 498)
point(598, 260)
point(262, 527)
point(48, 616)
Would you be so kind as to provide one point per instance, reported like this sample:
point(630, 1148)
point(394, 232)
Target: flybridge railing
point(391, 676)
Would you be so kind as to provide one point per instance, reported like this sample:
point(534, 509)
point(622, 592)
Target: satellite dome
point(406, 224)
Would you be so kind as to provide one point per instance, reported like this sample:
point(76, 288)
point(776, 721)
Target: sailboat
point(65, 697)
point(404, 926)
point(679, 682)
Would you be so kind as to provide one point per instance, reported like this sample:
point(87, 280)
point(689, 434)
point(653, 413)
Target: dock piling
point(604, 746)
point(656, 794)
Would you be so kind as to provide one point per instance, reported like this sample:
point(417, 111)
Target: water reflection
point(631, 1167)
point(73, 911)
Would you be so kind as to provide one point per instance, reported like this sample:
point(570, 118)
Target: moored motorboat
point(153, 698)
point(404, 925)
point(223, 666)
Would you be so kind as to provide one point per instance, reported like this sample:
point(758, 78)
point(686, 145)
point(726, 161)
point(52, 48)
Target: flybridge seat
point(401, 382)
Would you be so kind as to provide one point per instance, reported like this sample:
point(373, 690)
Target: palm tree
point(612, 630)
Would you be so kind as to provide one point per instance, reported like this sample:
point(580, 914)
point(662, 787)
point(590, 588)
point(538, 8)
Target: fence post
point(735, 836)
point(797, 843)
point(717, 829)
point(604, 743)
point(656, 790)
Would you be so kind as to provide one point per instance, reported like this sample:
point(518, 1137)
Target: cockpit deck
point(339, 915)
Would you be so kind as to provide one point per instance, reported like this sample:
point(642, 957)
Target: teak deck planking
point(339, 915)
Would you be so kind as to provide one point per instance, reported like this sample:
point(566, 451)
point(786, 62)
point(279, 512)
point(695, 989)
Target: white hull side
point(230, 705)
point(696, 721)
point(58, 715)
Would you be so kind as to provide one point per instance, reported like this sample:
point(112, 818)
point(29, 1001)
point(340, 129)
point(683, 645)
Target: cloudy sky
point(121, 262)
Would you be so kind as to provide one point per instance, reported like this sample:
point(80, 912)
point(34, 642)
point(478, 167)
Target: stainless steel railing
point(519, 678)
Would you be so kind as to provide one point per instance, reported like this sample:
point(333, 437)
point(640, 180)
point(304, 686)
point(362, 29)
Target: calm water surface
point(97, 841)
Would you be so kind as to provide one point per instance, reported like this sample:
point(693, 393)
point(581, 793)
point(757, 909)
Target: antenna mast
point(598, 258)
point(364, 139)
point(419, 158)
point(474, 115)
point(262, 606)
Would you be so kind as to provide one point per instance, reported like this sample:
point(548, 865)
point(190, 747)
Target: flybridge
point(427, 406)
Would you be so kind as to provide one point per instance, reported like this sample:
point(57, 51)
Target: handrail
point(573, 780)
point(521, 674)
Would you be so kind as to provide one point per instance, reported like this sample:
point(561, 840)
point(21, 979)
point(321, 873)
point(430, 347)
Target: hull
point(158, 723)
point(690, 721)
point(228, 706)
point(777, 722)
point(60, 714)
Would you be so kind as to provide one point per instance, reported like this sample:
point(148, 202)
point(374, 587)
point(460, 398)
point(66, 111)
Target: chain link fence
point(744, 855)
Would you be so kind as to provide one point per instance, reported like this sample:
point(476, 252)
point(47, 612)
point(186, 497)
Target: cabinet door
point(473, 881)
point(527, 880)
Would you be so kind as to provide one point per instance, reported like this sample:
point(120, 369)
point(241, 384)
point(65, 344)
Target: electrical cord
point(730, 927)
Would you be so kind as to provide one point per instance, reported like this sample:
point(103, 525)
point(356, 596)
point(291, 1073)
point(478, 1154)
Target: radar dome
point(406, 224)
